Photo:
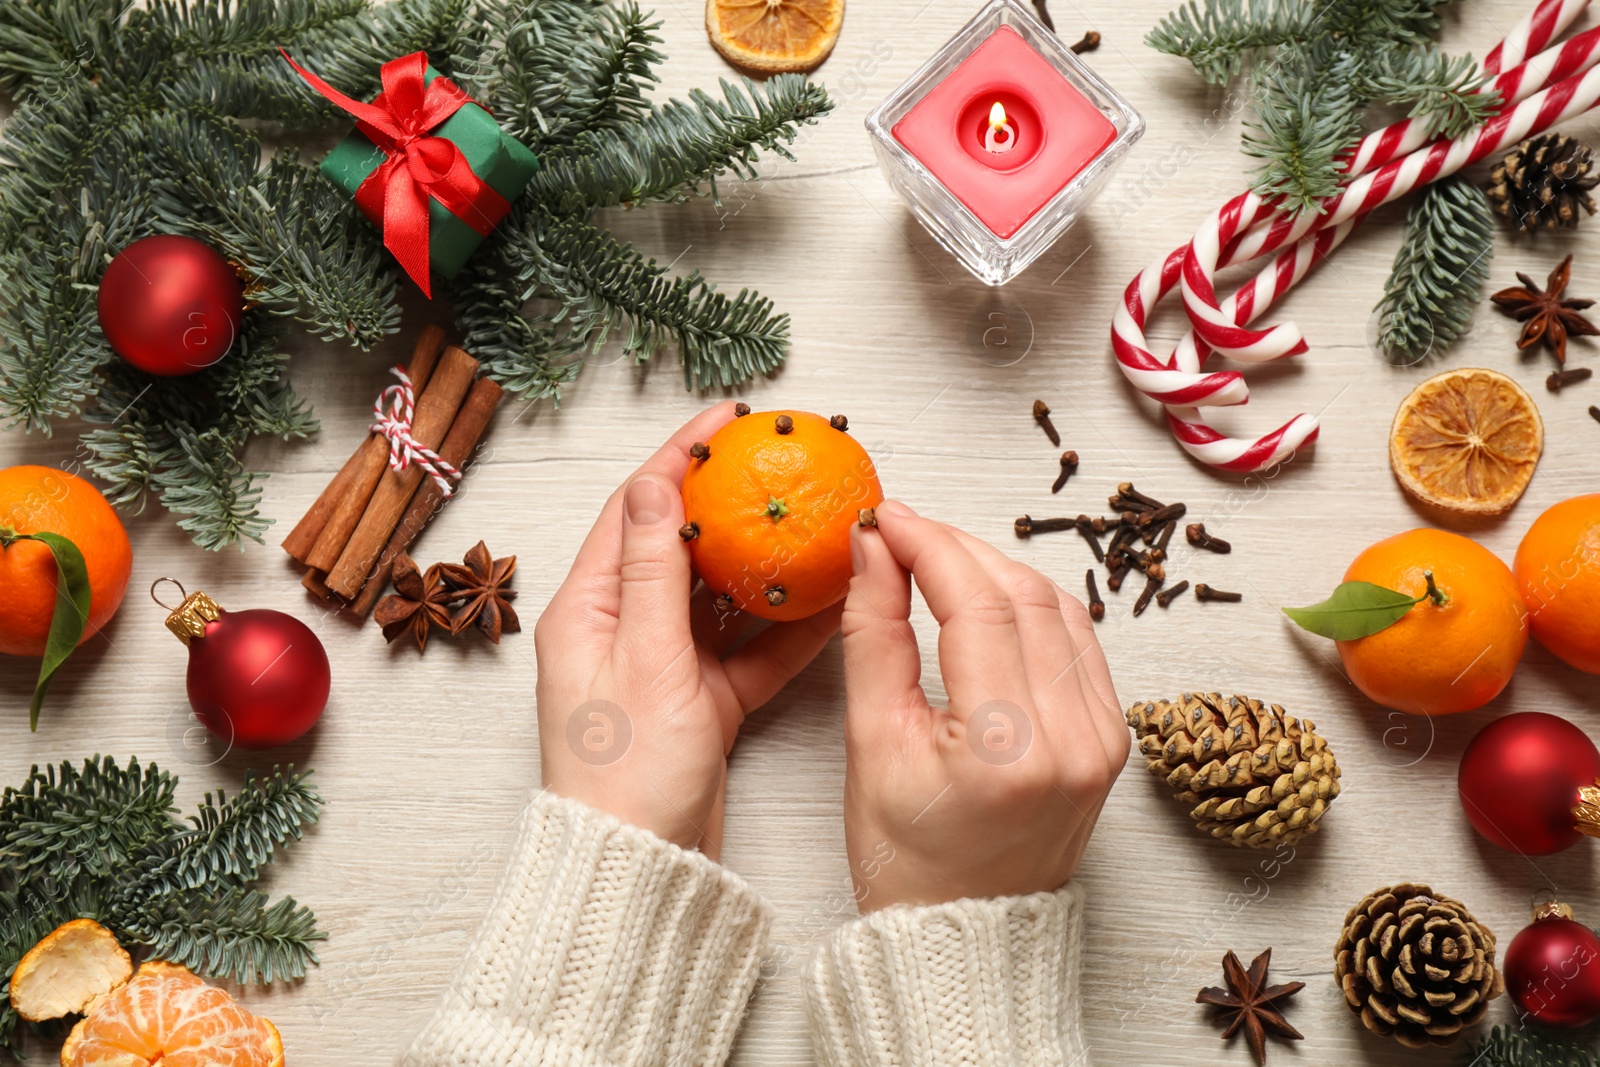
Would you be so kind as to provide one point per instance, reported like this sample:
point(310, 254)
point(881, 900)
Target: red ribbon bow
point(416, 166)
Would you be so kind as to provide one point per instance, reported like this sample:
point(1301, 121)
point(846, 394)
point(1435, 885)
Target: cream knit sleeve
point(605, 947)
point(990, 982)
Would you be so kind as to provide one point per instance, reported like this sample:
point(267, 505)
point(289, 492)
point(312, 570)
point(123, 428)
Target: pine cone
point(1250, 774)
point(1416, 966)
point(1542, 182)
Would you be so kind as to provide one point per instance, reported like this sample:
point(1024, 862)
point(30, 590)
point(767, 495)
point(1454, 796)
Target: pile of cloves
point(1141, 530)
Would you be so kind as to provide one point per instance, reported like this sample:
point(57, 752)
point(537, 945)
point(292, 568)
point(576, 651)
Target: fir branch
point(563, 67)
point(206, 482)
point(1442, 90)
point(52, 40)
point(1218, 37)
point(233, 934)
point(680, 145)
point(1525, 1047)
point(62, 822)
point(531, 354)
point(344, 42)
point(1306, 118)
point(233, 838)
point(1439, 271)
point(307, 253)
point(605, 284)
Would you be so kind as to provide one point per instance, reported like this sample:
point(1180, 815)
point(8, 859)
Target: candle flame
point(997, 116)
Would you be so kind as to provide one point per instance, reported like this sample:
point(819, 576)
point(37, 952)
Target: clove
point(1126, 489)
point(741, 409)
point(700, 450)
point(1088, 533)
point(840, 423)
point(1069, 463)
point(1560, 379)
point(1146, 594)
point(1594, 413)
point(1027, 525)
point(1167, 596)
point(1044, 15)
point(1100, 524)
point(1116, 550)
point(776, 596)
point(1205, 592)
point(1089, 43)
point(1097, 607)
point(689, 531)
point(1196, 533)
point(1154, 519)
point(723, 603)
point(867, 517)
point(1041, 412)
point(783, 424)
point(1119, 572)
point(1159, 552)
point(1123, 505)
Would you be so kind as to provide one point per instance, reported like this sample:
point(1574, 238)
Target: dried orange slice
point(166, 1015)
point(1467, 441)
point(774, 36)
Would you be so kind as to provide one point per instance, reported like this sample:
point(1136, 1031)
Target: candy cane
point(1159, 378)
point(1532, 33)
point(1182, 386)
point(1561, 101)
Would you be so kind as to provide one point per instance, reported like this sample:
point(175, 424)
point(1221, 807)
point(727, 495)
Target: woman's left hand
point(638, 705)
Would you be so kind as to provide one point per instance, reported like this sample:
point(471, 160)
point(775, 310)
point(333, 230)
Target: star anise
point(479, 583)
point(420, 601)
point(1252, 1002)
point(1544, 315)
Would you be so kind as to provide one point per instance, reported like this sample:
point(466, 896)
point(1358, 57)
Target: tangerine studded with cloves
point(772, 499)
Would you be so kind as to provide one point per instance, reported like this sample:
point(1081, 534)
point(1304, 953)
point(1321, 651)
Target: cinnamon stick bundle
point(435, 412)
point(318, 539)
point(471, 422)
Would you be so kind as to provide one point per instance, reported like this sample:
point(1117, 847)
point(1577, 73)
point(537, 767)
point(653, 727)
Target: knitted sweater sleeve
point(605, 947)
point(992, 982)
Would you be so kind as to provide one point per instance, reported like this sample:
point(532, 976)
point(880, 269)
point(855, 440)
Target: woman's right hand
point(997, 794)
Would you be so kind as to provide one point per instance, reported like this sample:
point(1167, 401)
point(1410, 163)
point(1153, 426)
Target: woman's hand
point(997, 794)
point(637, 707)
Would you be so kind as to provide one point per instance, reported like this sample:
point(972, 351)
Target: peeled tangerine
point(161, 1015)
point(770, 501)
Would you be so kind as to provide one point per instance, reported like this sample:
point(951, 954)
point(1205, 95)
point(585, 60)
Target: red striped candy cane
point(1179, 382)
point(1159, 379)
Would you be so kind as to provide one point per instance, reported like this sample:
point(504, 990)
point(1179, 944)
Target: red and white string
point(1536, 93)
point(393, 412)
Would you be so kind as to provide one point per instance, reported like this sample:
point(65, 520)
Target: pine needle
point(1438, 273)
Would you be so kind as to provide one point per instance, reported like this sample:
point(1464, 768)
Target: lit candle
point(992, 139)
point(999, 141)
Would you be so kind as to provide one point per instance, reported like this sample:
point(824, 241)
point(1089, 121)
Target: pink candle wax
point(1005, 162)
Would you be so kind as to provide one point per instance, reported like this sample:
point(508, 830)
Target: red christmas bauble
point(1552, 969)
point(1520, 778)
point(170, 305)
point(257, 679)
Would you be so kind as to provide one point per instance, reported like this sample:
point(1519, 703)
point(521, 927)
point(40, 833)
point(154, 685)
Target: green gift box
point(504, 163)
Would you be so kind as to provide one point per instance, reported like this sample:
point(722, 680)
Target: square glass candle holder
point(1000, 141)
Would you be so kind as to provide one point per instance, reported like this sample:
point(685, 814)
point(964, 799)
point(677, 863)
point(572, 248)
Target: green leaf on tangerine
point(71, 614)
point(1356, 609)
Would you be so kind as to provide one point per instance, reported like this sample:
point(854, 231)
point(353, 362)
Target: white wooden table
point(425, 763)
